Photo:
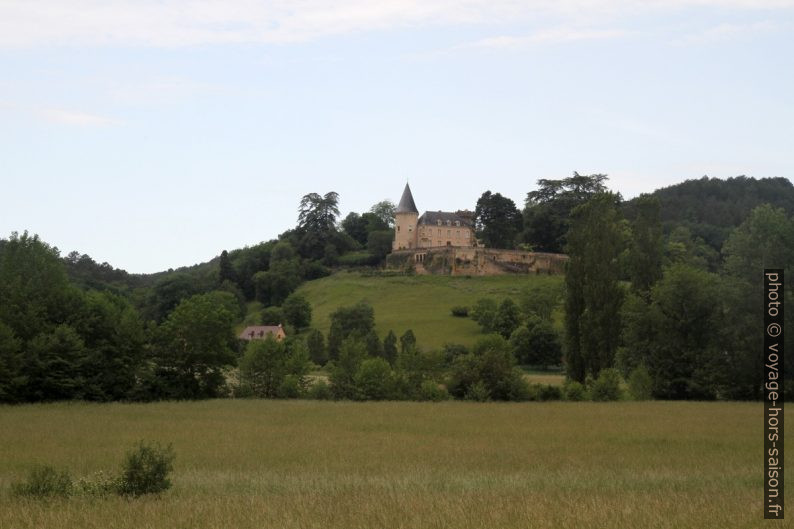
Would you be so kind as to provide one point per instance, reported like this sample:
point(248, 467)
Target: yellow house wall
point(405, 231)
point(431, 236)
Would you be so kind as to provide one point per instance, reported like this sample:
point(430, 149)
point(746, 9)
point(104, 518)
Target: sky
point(153, 134)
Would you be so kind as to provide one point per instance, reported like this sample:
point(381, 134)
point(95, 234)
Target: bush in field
point(320, 390)
point(606, 386)
point(430, 390)
point(460, 311)
point(549, 392)
point(574, 391)
point(640, 384)
point(45, 481)
point(145, 470)
point(478, 392)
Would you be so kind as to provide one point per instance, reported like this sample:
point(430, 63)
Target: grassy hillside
point(307, 464)
point(420, 303)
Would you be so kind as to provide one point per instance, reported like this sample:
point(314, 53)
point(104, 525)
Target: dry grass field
point(305, 464)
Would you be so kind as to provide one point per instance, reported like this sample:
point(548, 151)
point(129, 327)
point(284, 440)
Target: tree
point(115, 341)
point(272, 316)
point(484, 312)
point(646, 246)
point(318, 213)
point(315, 343)
point(541, 299)
point(316, 224)
point(168, 292)
point(390, 347)
point(282, 277)
point(194, 346)
point(54, 365)
point(355, 227)
point(384, 210)
point(10, 348)
point(374, 347)
point(676, 335)
point(379, 243)
point(354, 321)
point(594, 297)
point(407, 341)
point(507, 318)
point(536, 343)
point(275, 369)
point(497, 220)
point(548, 209)
point(297, 311)
point(343, 370)
point(374, 380)
point(35, 294)
point(225, 269)
point(264, 366)
point(764, 240)
point(492, 365)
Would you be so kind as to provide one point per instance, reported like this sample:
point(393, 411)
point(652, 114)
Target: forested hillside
point(710, 207)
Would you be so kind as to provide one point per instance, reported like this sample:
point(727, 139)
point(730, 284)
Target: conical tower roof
point(406, 204)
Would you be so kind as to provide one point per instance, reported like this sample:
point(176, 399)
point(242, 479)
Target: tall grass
point(305, 464)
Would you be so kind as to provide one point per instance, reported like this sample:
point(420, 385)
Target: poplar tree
point(594, 297)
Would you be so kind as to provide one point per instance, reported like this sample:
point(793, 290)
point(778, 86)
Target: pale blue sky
point(154, 134)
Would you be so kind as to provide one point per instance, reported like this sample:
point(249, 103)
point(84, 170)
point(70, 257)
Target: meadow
point(420, 303)
point(308, 464)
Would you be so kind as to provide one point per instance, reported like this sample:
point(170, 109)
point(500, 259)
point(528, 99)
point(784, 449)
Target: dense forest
point(662, 291)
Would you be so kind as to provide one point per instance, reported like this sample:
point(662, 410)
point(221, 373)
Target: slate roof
point(406, 204)
point(431, 218)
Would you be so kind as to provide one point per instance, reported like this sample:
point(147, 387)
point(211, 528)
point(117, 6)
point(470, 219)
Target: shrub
point(374, 379)
point(45, 481)
point(478, 392)
point(320, 390)
point(98, 485)
point(549, 392)
point(460, 311)
point(290, 387)
point(145, 470)
point(429, 390)
point(640, 384)
point(606, 386)
point(574, 391)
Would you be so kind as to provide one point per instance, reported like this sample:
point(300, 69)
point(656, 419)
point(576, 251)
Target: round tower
point(405, 217)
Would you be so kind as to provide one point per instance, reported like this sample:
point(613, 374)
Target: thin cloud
point(175, 23)
point(71, 117)
point(551, 36)
point(727, 31)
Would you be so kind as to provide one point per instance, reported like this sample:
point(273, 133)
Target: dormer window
point(449, 223)
point(439, 222)
point(457, 223)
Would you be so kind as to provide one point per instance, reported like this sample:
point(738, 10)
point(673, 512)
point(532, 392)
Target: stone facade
point(433, 229)
point(476, 261)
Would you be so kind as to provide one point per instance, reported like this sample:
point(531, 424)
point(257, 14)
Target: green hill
point(419, 303)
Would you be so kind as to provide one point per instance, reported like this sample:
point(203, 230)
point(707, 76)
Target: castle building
point(431, 230)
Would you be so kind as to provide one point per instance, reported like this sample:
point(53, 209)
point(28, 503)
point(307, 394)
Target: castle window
point(449, 233)
point(398, 227)
point(457, 223)
point(457, 234)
